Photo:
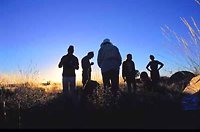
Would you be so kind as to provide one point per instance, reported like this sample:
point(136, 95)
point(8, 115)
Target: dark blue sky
point(38, 32)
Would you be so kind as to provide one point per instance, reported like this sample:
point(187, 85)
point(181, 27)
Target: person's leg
point(155, 79)
point(72, 83)
point(65, 83)
point(115, 80)
point(129, 82)
point(134, 84)
point(106, 80)
point(84, 77)
point(89, 75)
point(73, 91)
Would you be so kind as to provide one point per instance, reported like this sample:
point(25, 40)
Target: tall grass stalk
point(188, 45)
point(4, 109)
point(3, 102)
point(198, 2)
point(29, 76)
point(19, 115)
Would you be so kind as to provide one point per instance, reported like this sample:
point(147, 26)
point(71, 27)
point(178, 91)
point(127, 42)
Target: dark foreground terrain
point(143, 110)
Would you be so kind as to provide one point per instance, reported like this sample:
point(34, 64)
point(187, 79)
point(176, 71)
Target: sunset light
point(99, 64)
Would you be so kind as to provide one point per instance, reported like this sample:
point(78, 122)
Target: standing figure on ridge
point(69, 63)
point(86, 66)
point(129, 73)
point(152, 66)
point(109, 60)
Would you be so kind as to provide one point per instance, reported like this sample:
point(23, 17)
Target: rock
point(180, 80)
point(193, 86)
point(181, 76)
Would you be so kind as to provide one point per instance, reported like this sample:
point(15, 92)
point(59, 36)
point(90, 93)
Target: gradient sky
point(37, 33)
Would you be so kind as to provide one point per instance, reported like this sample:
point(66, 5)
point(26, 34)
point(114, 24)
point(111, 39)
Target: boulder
point(181, 76)
point(193, 86)
point(180, 80)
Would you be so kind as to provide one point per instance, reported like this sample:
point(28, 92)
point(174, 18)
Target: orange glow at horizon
point(54, 74)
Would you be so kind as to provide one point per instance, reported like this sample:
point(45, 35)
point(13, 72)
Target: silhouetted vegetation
point(34, 108)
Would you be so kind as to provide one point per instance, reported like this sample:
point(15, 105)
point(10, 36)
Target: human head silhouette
point(105, 42)
point(90, 54)
point(152, 57)
point(129, 57)
point(71, 49)
point(144, 76)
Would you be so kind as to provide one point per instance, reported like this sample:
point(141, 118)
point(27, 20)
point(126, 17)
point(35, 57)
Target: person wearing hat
point(109, 60)
point(69, 63)
point(86, 66)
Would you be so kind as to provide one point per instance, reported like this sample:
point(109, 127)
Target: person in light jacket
point(109, 60)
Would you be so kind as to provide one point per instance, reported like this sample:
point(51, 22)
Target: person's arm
point(124, 71)
point(61, 63)
point(83, 64)
point(119, 56)
point(147, 67)
point(161, 65)
point(99, 58)
point(76, 64)
point(134, 68)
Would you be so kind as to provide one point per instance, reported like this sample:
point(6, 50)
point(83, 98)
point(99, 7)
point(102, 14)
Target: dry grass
point(28, 105)
point(189, 45)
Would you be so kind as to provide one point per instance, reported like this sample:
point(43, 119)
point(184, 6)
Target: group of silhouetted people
point(109, 60)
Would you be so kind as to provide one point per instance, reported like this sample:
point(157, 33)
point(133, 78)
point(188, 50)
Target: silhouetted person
point(154, 66)
point(86, 66)
point(146, 82)
point(69, 63)
point(128, 73)
point(109, 60)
